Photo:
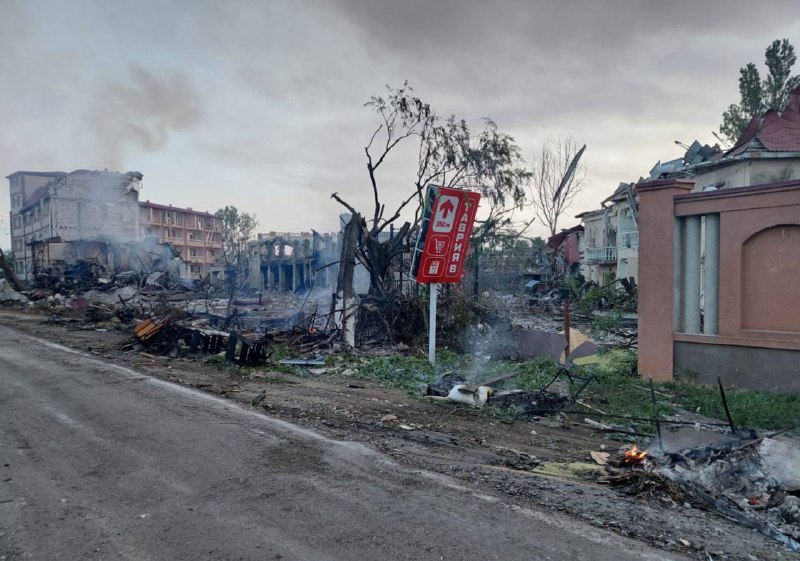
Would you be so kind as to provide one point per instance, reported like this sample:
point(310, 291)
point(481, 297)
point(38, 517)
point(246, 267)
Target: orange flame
point(634, 456)
point(312, 330)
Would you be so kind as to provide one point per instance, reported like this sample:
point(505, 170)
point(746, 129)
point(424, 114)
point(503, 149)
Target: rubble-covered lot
point(544, 463)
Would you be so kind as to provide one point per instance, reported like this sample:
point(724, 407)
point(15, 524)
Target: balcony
point(601, 255)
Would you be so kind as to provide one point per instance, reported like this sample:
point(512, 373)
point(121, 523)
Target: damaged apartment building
point(59, 219)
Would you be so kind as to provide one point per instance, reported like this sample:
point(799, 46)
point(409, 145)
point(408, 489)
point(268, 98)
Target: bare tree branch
point(343, 203)
point(553, 187)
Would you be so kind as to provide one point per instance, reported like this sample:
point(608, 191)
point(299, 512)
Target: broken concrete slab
point(780, 459)
point(8, 294)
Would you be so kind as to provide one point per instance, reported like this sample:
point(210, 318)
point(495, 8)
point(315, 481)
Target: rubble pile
point(169, 314)
point(750, 480)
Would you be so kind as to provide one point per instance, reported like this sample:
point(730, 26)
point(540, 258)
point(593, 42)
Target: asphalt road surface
point(101, 462)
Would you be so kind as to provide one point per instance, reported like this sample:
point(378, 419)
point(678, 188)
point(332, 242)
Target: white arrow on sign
point(445, 214)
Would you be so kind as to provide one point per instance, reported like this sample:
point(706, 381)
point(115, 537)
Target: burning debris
point(634, 457)
point(741, 480)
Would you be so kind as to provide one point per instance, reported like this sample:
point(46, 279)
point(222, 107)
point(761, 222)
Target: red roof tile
point(778, 132)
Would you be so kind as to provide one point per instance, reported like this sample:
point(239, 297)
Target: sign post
point(434, 288)
point(442, 245)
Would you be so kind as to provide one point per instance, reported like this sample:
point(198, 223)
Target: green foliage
point(216, 360)
point(396, 371)
point(756, 96)
point(571, 288)
point(591, 301)
point(237, 229)
point(535, 373)
point(623, 363)
point(281, 352)
point(607, 323)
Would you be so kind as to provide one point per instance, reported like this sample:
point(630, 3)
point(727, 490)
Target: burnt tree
point(447, 155)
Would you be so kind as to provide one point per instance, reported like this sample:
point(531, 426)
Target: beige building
point(610, 239)
point(195, 235)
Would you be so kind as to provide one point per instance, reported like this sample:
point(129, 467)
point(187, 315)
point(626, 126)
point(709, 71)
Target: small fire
point(634, 456)
point(312, 330)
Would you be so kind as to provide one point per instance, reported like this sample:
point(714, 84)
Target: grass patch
point(617, 391)
point(621, 392)
point(761, 409)
point(396, 371)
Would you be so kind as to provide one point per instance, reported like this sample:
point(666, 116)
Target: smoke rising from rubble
point(141, 112)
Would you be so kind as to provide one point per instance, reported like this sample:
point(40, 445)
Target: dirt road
point(103, 462)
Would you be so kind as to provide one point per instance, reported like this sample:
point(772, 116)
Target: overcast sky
point(260, 104)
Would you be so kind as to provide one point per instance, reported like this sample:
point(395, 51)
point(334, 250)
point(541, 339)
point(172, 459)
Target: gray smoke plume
point(141, 112)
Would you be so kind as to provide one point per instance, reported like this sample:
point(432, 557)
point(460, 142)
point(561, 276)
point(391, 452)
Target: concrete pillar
point(656, 275)
point(295, 277)
point(677, 276)
point(281, 277)
point(270, 277)
point(691, 268)
point(711, 277)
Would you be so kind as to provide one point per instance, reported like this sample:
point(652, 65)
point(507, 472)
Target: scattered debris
point(441, 387)
point(470, 394)
point(530, 404)
point(302, 362)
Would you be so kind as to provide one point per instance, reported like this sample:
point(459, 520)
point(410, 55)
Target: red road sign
point(447, 227)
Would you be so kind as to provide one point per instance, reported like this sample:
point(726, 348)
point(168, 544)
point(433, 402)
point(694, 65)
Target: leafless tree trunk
point(344, 302)
point(553, 187)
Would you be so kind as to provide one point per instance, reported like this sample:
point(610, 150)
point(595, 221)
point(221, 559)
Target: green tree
point(237, 229)
point(756, 96)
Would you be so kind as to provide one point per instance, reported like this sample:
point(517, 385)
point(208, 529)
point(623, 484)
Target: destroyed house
point(292, 261)
point(564, 251)
point(81, 205)
point(767, 151)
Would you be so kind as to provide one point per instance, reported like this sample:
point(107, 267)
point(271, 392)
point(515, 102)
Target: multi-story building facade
point(81, 205)
point(195, 235)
